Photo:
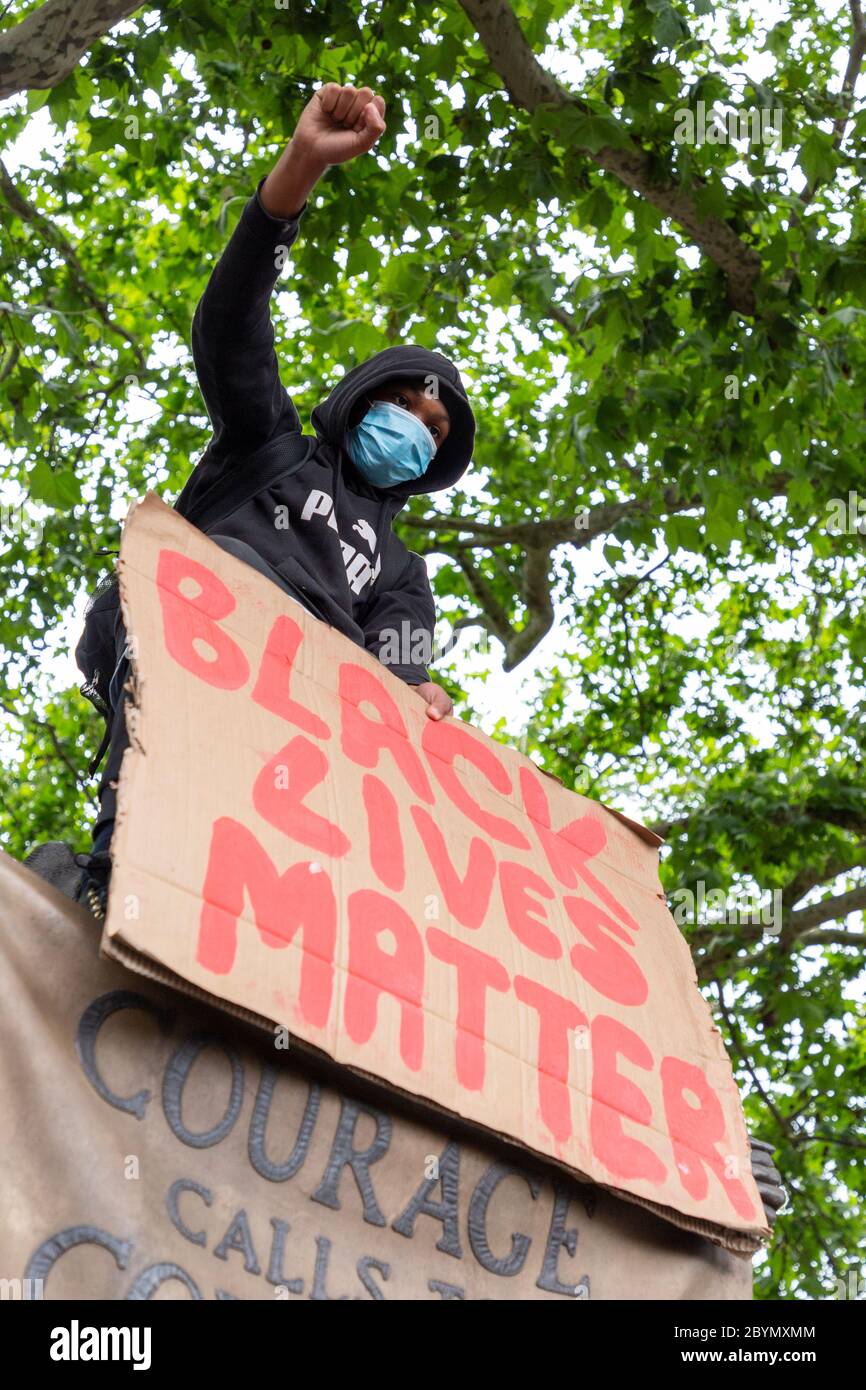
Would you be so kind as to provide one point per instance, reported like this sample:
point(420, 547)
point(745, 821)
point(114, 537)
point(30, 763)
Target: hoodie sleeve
point(398, 624)
point(233, 337)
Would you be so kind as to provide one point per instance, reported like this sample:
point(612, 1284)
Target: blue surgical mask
point(390, 445)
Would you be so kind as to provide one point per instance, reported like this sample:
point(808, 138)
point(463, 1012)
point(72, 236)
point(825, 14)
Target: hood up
point(449, 463)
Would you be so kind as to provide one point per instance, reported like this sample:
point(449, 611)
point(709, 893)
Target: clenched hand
point(337, 124)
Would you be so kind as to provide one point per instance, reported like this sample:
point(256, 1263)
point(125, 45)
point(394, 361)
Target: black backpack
point(240, 479)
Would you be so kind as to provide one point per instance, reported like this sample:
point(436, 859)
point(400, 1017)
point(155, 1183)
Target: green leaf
point(363, 258)
point(400, 278)
point(817, 157)
point(669, 28)
point(57, 489)
point(683, 533)
point(801, 492)
point(104, 135)
point(597, 208)
point(593, 133)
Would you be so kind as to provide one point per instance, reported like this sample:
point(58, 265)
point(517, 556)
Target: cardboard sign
point(409, 898)
point(155, 1147)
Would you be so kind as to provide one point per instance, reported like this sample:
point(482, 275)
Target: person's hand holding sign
point(439, 702)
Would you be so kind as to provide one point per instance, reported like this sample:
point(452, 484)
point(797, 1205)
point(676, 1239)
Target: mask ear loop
point(354, 427)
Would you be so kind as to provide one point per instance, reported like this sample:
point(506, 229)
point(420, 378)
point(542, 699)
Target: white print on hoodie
point(359, 570)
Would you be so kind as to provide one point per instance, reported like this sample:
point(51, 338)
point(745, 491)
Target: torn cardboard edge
point(642, 831)
point(739, 1242)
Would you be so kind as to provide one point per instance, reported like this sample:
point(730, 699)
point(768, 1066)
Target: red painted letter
point(568, 849)
point(467, 899)
point(556, 1017)
point(275, 674)
point(695, 1132)
point(515, 883)
point(364, 738)
point(476, 973)
point(188, 619)
point(603, 963)
point(383, 829)
point(281, 904)
point(447, 739)
point(374, 971)
point(615, 1098)
point(279, 791)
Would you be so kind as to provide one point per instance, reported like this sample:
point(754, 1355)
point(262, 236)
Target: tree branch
point(840, 937)
point(47, 728)
point(495, 614)
point(538, 539)
point(846, 819)
point(812, 875)
point(849, 82)
point(833, 1139)
point(739, 1048)
point(531, 86)
point(800, 930)
point(828, 910)
point(45, 47)
point(55, 238)
point(558, 530)
point(536, 596)
point(852, 72)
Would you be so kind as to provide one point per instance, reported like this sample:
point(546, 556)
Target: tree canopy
point(660, 315)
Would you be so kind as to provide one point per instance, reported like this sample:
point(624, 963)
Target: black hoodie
point(324, 528)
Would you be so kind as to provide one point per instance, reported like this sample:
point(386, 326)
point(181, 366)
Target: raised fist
point(337, 124)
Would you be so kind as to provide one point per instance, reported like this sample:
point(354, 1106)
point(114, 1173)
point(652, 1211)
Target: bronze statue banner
point(155, 1147)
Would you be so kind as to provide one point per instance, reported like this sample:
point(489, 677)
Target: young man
point(398, 424)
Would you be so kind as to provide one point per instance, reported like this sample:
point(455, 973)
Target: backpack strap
point(101, 751)
point(242, 478)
